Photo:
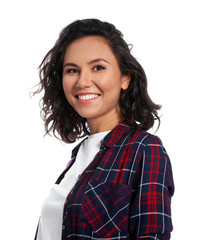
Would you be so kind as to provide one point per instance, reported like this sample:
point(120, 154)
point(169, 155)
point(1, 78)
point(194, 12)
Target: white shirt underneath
point(50, 224)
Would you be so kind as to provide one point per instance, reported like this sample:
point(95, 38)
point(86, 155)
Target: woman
point(118, 184)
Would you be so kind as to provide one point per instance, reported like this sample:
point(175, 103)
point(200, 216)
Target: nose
point(84, 80)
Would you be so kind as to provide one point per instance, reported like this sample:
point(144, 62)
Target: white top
point(50, 224)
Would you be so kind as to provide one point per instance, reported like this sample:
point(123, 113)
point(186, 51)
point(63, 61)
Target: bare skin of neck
point(105, 123)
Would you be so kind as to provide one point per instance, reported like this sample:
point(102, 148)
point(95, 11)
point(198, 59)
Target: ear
point(126, 81)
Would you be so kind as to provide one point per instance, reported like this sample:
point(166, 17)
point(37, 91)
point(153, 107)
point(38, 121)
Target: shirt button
point(79, 177)
point(63, 227)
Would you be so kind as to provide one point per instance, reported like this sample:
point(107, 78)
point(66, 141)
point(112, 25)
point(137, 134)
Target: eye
point(98, 68)
point(72, 71)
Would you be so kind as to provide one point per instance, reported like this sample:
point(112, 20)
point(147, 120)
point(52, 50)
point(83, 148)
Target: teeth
point(88, 97)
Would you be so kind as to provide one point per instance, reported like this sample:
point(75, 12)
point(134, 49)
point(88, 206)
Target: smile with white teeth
point(88, 97)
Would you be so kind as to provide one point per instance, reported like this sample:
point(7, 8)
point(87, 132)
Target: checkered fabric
point(125, 193)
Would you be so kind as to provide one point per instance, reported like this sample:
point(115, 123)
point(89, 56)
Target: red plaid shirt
point(125, 193)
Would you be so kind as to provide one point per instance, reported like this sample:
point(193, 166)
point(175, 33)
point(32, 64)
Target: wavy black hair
point(59, 116)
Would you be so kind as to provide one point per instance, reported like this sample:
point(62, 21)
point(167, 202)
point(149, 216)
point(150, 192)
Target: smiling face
point(92, 80)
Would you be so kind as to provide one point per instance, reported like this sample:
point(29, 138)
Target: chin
point(88, 114)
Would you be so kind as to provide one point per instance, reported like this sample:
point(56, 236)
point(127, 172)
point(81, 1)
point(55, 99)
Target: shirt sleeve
point(150, 212)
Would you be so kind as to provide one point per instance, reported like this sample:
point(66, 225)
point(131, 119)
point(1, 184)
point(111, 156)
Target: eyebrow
point(90, 62)
point(98, 60)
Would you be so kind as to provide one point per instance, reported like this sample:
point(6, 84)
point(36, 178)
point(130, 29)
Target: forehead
point(89, 47)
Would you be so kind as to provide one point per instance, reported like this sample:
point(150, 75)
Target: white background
point(169, 39)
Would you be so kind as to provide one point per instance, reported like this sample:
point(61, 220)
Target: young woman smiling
point(118, 183)
point(92, 82)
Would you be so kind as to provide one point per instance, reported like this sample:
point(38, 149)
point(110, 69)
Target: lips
point(87, 96)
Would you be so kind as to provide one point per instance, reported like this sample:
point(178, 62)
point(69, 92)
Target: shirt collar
point(112, 137)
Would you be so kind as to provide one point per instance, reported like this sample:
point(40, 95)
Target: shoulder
point(139, 138)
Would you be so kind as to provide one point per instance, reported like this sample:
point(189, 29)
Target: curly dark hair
point(59, 116)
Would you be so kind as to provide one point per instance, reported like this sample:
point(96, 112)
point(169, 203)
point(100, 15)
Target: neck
point(103, 124)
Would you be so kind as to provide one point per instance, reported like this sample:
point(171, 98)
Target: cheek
point(112, 86)
point(111, 81)
point(67, 90)
point(67, 87)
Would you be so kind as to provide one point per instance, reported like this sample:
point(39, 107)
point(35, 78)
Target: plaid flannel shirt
point(125, 193)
